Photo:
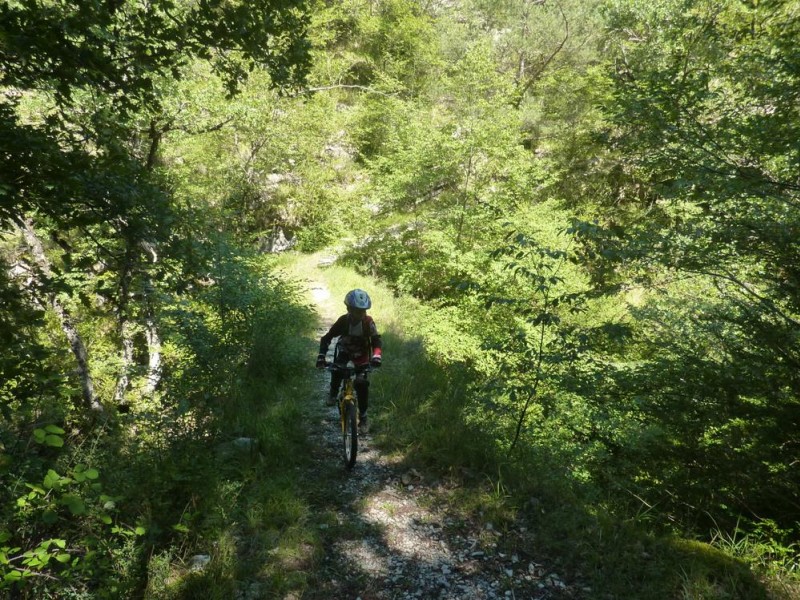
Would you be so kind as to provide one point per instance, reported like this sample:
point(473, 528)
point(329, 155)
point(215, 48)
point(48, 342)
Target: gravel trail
point(393, 538)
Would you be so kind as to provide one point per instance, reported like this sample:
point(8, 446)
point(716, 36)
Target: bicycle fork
point(348, 397)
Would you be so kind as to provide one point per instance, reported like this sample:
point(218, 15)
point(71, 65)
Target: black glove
point(321, 361)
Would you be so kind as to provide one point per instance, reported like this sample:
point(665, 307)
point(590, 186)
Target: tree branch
point(363, 88)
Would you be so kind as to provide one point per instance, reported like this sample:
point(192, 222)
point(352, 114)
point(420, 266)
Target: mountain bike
point(348, 408)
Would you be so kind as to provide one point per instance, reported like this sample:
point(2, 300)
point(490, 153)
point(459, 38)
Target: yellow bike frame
point(347, 396)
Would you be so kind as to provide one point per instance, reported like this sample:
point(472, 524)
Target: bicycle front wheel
point(350, 435)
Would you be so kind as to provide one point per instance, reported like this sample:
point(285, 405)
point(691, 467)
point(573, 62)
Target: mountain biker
point(359, 342)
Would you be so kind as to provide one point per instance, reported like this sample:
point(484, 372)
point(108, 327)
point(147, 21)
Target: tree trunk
point(465, 203)
point(67, 325)
point(123, 381)
point(151, 329)
point(124, 329)
point(154, 362)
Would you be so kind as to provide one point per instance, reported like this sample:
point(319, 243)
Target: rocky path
point(393, 538)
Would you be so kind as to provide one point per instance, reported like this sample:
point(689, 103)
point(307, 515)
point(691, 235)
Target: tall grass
point(428, 410)
point(246, 513)
point(196, 491)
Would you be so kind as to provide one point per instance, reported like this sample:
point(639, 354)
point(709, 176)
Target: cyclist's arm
point(338, 328)
point(375, 342)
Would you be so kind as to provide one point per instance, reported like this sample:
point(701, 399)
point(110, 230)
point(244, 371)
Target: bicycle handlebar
point(366, 368)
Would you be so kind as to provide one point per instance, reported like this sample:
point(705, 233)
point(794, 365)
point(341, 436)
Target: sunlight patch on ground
point(320, 293)
point(404, 525)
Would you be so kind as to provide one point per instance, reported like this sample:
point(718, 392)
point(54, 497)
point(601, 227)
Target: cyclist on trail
point(359, 342)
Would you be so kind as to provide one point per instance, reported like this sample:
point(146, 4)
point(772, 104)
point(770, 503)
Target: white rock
point(199, 562)
point(244, 443)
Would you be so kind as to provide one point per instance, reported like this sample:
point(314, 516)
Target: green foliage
point(75, 522)
point(266, 164)
point(23, 372)
point(596, 204)
point(654, 353)
point(372, 43)
point(763, 543)
point(107, 255)
point(124, 47)
point(451, 175)
point(60, 521)
point(705, 141)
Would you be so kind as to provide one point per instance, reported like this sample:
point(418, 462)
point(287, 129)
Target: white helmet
point(357, 299)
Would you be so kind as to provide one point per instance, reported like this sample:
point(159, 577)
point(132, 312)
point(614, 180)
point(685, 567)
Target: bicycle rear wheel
point(349, 435)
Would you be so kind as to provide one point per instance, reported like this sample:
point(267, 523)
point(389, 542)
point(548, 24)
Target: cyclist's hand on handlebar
point(321, 361)
point(375, 362)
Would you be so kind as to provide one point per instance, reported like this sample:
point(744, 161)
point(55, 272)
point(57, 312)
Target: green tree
point(703, 118)
point(79, 80)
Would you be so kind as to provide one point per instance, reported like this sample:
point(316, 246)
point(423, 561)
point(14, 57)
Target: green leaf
point(39, 435)
point(140, 530)
point(54, 440)
point(36, 488)
point(63, 557)
point(51, 479)
point(74, 503)
point(49, 517)
point(4, 536)
point(92, 473)
point(106, 519)
point(54, 429)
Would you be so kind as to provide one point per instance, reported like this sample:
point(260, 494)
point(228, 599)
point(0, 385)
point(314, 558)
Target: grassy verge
point(195, 492)
point(611, 550)
point(247, 528)
point(424, 413)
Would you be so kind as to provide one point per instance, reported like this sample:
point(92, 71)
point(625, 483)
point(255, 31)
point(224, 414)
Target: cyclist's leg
point(340, 357)
point(361, 385)
point(336, 383)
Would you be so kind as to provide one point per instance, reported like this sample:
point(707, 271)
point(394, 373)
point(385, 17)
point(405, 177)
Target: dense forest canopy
point(602, 197)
